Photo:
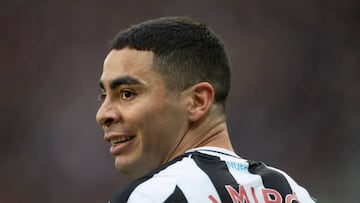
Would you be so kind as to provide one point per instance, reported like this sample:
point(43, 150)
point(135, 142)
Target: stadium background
point(295, 100)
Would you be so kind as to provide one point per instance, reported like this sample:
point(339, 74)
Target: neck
point(210, 131)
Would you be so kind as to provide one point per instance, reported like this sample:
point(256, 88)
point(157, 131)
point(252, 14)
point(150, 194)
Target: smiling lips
point(119, 144)
point(117, 140)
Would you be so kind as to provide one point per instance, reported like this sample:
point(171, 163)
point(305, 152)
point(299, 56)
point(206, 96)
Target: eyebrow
point(123, 80)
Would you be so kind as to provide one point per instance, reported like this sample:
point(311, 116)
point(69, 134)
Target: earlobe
point(202, 95)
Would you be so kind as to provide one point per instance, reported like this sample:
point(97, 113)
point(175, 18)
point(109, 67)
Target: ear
point(202, 97)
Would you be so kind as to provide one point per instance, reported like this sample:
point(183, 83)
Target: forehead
point(129, 63)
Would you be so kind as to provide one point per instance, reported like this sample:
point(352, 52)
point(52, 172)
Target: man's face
point(142, 120)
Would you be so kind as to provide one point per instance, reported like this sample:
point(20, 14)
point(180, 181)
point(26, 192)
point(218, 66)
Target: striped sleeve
point(271, 179)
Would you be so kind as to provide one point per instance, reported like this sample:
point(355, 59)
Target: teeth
point(117, 140)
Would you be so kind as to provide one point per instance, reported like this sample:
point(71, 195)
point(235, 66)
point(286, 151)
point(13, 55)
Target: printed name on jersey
point(268, 195)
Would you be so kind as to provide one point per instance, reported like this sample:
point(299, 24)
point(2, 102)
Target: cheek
point(147, 119)
point(155, 121)
point(156, 124)
point(159, 123)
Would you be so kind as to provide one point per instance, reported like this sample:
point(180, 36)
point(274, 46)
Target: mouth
point(122, 139)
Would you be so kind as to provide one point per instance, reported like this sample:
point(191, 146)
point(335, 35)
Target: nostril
point(108, 121)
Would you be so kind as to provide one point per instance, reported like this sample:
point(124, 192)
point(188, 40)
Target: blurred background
point(294, 104)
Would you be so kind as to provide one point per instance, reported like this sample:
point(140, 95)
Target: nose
point(107, 114)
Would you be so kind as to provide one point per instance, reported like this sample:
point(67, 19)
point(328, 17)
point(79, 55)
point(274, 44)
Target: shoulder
point(180, 180)
point(236, 178)
point(215, 175)
point(160, 184)
point(276, 182)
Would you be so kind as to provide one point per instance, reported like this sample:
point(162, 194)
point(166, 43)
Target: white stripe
point(162, 185)
point(156, 189)
point(200, 186)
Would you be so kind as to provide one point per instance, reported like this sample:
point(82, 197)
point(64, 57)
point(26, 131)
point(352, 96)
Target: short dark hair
point(185, 52)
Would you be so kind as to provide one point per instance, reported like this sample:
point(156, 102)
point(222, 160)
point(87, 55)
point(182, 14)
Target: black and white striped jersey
point(214, 175)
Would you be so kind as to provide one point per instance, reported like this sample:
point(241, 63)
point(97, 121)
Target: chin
point(124, 167)
point(119, 165)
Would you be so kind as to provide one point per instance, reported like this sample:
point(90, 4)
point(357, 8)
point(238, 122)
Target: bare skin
point(146, 123)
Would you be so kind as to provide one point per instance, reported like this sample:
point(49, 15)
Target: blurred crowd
point(294, 103)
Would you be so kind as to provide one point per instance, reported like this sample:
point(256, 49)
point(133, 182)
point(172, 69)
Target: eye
point(127, 94)
point(101, 97)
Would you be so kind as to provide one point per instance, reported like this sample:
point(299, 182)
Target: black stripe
point(218, 173)
point(176, 196)
point(271, 178)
